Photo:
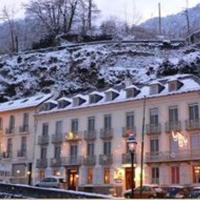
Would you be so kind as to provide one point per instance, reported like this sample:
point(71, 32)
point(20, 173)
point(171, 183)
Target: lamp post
point(132, 143)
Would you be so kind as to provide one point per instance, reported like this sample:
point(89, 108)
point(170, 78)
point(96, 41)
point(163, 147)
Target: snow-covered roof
point(97, 93)
point(132, 87)
point(65, 99)
point(190, 84)
point(52, 101)
point(24, 103)
point(112, 90)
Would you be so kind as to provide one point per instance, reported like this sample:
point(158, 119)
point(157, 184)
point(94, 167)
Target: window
point(91, 124)
point(41, 173)
point(73, 151)
point(155, 175)
point(195, 142)
point(89, 175)
point(154, 145)
point(9, 148)
point(74, 125)
point(174, 148)
point(43, 153)
point(193, 112)
point(45, 129)
point(23, 145)
point(172, 86)
point(57, 152)
point(130, 120)
point(25, 120)
point(154, 116)
point(175, 175)
point(130, 93)
point(107, 122)
point(196, 174)
point(1, 123)
point(154, 89)
point(58, 127)
point(90, 149)
point(173, 114)
point(106, 176)
point(12, 123)
point(107, 148)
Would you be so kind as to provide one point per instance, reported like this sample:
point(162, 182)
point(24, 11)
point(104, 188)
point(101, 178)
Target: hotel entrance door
point(72, 181)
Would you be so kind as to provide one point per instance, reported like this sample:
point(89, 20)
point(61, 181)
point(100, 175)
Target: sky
point(124, 9)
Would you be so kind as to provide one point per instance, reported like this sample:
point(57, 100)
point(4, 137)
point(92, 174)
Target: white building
point(17, 138)
point(83, 138)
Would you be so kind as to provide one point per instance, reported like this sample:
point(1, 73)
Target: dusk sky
point(124, 8)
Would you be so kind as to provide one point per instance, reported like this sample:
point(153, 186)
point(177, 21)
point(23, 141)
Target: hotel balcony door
point(128, 178)
point(72, 181)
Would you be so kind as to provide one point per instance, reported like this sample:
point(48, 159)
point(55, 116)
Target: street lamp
point(132, 143)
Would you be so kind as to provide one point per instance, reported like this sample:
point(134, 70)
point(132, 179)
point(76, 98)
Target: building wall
point(118, 112)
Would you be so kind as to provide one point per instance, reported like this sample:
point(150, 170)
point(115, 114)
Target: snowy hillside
point(176, 25)
point(86, 67)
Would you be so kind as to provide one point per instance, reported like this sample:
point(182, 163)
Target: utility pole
point(187, 17)
point(142, 147)
point(160, 19)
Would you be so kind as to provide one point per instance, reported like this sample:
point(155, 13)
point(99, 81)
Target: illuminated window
point(106, 176)
point(90, 176)
point(175, 177)
point(196, 174)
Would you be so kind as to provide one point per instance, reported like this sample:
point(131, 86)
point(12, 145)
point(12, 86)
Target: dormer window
point(132, 92)
point(94, 98)
point(156, 88)
point(49, 105)
point(111, 95)
point(77, 101)
point(174, 85)
point(63, 102)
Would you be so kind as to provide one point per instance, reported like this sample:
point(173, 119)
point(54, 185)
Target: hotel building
point(84, 138)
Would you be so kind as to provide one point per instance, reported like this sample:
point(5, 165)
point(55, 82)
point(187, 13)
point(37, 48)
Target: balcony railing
point(89, 160)
point(105, 159)
point(57, 138)
point(106, 134)
point(73, 136)
point(192, 124)
point(172, 126)
point(72, 160)
point(41, 163)
point(126, 158)
point(127, 131)
point(24, 129)
point(56, 162)
point(43, 139)
point(167, 156)
point(90, 135)
point(10, 130)
point(6, 155)
point(21, 153)
point(153, 129)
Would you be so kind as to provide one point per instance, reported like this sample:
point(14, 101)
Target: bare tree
point(8, 17)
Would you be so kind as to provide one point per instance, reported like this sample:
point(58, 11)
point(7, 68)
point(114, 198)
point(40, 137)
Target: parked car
point(176, 191)
point(52, 182)
point(148, 191)
point(194, 193)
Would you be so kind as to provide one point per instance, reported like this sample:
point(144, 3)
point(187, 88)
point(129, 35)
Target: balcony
point(6, 155)
point(105, 159)
point(172, 126)
point(126, 158)
point(24, 129)
point(72, 160)
point(90, 135)
point(106, 134)
point(127, 131)
point(21, 154)
point(153, 129)
point(10, 130)
point(57, 138)
point(73, 136)
point(41, 163)
point(192, 125)
point(43, 140)
point(56, 162)
point(167, 156)
point(89, 160)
